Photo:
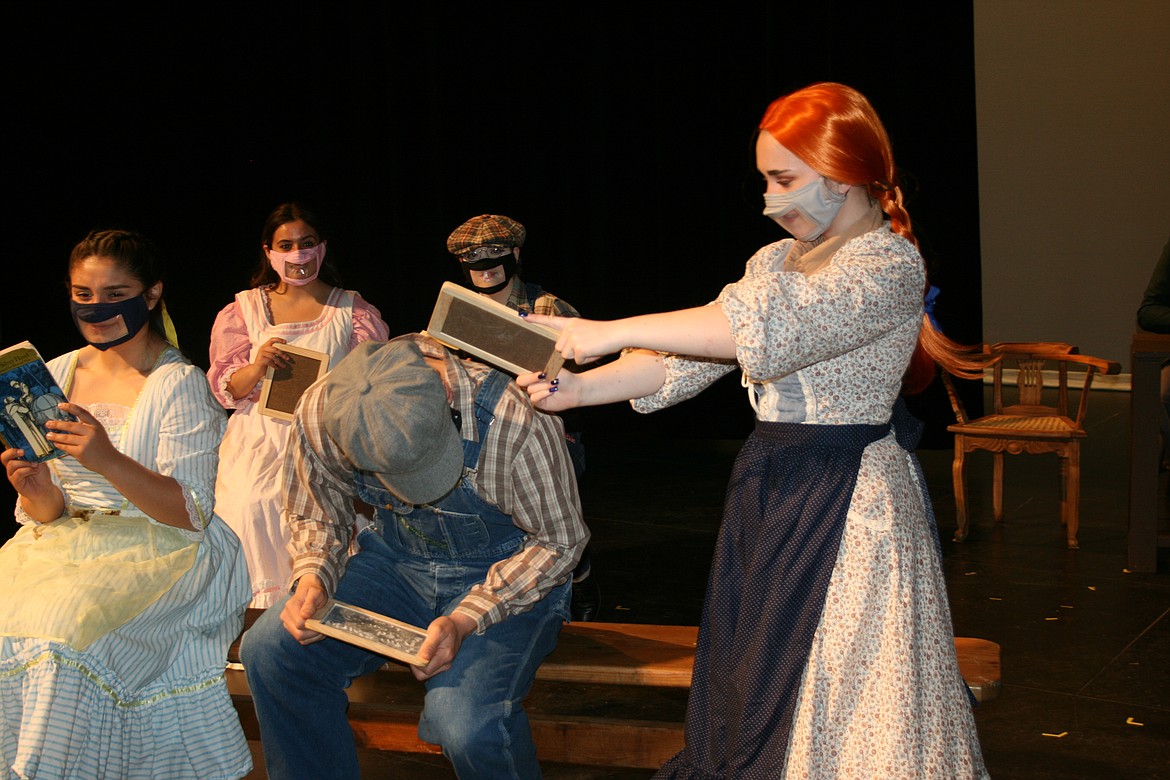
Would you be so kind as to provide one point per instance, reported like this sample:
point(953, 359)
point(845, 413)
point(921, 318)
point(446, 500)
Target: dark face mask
point(509, 263)
point(134, 311)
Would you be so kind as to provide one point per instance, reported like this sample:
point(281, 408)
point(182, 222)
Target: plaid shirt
point(524, 470)
point(528, 297)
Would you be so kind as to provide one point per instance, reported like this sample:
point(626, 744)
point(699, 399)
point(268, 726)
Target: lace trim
point(24, 518)
point(194, 511)
point(111, 416)
point(224, 391)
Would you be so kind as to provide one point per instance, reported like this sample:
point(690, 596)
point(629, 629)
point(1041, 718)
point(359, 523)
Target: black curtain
point(621, 135)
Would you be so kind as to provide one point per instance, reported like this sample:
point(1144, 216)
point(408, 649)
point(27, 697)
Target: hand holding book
point(83, 437)
point(29, 399)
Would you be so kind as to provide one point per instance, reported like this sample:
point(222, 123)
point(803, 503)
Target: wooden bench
point(611, 694)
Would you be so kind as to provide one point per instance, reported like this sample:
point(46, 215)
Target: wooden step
point(572, 723)
point(610, 694)
point(979, 665)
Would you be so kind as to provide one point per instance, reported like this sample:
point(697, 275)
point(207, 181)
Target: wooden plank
point(663, 656)
point(979, 665)
point(615, 743)
point(561, 739)
point(396, 731)
point(623, 654)
point(384, 716)
point(610, 696)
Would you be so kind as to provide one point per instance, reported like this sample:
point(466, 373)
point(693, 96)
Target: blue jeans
point(474, 710)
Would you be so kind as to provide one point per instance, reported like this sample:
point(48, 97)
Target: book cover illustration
point(370, 630)
point(28, 399)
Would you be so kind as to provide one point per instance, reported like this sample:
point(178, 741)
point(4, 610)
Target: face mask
point(134, 311)
point(814, 201)
point(293, 264)
point(509, 263)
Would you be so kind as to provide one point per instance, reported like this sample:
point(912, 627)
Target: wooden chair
point(1028, 426)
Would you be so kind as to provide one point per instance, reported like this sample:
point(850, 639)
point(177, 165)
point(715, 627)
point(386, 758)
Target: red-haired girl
point(825, 645)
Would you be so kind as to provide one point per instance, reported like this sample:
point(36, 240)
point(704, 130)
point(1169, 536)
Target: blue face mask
point(134, 311)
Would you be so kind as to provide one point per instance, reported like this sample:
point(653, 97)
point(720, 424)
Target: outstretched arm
point(635, 374)
point(701, 332)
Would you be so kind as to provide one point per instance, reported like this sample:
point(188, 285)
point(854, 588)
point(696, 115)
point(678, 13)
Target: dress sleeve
point(191, 425)
point(783, 321)
point(367, 322)
point(687, 376)
point(229, 351)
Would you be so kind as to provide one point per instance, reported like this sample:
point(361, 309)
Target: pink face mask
point(299, 267)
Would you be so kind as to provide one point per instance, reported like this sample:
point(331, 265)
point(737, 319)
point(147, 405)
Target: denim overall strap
point(486, 400)
point(461, 525)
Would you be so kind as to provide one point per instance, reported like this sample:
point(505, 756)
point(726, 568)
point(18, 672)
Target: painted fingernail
point(541, 375)
point(553, 389)
point(555, 382)
point(523, 314)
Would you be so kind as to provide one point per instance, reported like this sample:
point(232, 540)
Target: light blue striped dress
point(144, 696)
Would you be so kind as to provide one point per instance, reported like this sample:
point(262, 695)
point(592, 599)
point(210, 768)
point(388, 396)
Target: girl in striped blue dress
point(123, 590)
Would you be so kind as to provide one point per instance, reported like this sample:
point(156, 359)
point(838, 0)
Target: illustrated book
point(28, 399)
point(281, 388)
point(492, 332)
point(376, 633)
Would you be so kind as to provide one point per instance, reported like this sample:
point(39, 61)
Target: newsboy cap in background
point(386, 408)
point(491, 229)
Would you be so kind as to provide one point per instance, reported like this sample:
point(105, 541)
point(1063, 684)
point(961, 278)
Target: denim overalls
point(414, 565)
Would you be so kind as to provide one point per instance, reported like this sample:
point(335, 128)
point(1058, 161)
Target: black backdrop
point(620, 135)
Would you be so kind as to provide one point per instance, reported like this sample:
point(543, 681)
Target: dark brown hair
point(283, 214)
point(133, 253)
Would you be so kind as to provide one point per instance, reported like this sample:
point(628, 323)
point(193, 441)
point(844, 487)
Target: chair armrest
point(956, 402)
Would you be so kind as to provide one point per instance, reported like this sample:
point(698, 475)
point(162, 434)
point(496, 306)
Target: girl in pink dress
point(293, 300)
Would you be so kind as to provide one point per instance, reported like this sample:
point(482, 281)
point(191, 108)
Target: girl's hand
point(86, 440)
point(29, 478)
point(243, 381)
point(552, 395)
point(582, 340)
point(271, 355)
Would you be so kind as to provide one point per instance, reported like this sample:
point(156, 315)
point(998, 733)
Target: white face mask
point(293, 266)
point(814, 201)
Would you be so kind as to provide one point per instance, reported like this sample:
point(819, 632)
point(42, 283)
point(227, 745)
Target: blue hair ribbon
point(928, 305)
